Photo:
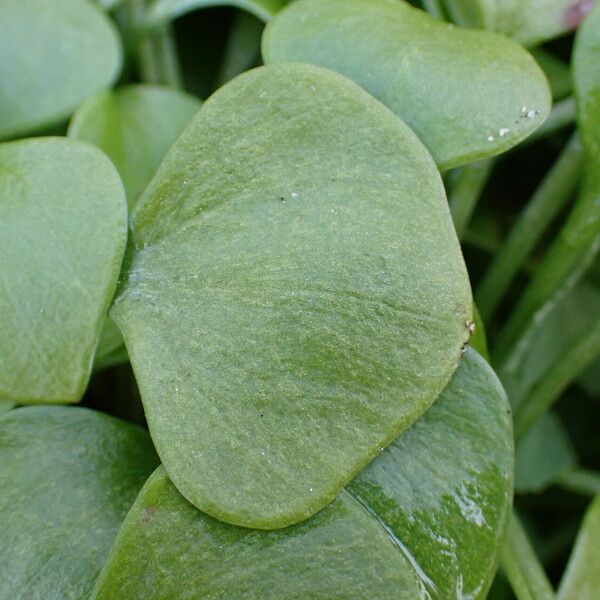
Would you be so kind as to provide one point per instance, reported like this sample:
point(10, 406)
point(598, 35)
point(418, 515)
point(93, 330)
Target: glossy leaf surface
point(544, 453)
point(135, 126)
point(63, 227)
point(162, 11)
point(313, 232)
point(527, 21)
point(466, 94)
point(581, 580)
point(55, 54)
point(68, 477)
point(424, 520)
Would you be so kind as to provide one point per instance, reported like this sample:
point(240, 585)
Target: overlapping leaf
point(296, 296)
point(467, 94)
point(581, 580)
point(544, 453)
point(417, 523)
point(135, 126)
point(68, 477)
point(577, 242)
point(54, 56)
point(528, 21)
point(63, 227)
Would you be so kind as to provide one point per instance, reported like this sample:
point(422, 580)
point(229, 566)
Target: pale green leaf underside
point(162, 11)
point(63, 227)
point(467, 94)
point(135, 126)
point(527, 21)
point(55, 54)
point(544, 453)
point(296, 296)
point(581, 580)
point(425, 517)
point(68, 477)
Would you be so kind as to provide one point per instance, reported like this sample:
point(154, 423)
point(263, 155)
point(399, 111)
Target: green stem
point(156, 51)
point(547, 201)
point(466, 192)
point(562, 114)
point(434, 8)
point(522, 567)
point(580, 481)
point(157, 58)
point(556, 378)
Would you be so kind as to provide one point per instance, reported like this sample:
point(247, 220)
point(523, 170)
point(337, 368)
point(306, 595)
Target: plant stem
point(434, 8)
point(562, 114)
point(545, 204)
point(466, 192)
point(522, 567)
point(155, 49)
point(565, 262)
point(580, 481)
point(556, 378)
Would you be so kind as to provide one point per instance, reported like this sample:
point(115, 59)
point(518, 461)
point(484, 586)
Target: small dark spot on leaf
point(577, 12)
point(149, 512)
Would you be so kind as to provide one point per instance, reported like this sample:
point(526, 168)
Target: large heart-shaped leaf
point(581, 580)
point(63, 227)
point(296, 296)
point(68, 477)
point(135, 126)
point(424, 520)
point(528, 21)
point(467, 94)
point(55, 54)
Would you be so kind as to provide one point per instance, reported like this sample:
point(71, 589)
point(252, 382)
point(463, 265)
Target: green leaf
point(479, 337)
point(6, 406)
point(55, 54)
point(530, 22)
point(581, 580)
point(576, 244)
point(557, 72)
point(135, 126)
point(68, 477)
point(162, 11)
point(544, 453)
point(63, 227)
point(110, 346)
point(557, 327)
point(296, 296)
point(586, 76)
point(424, 520)
point(109, 4)
point(467, 94)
